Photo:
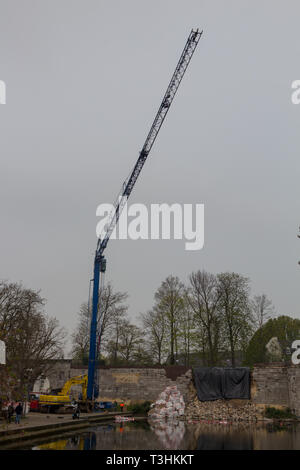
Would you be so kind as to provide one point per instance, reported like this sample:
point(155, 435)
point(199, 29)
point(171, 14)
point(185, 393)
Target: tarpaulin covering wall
point(216, 383)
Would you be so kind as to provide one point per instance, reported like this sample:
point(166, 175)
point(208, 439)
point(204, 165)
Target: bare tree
point(262, 310)
point(204, 299)
point(11, 305)
point(186, 333)
point(234, 305)
point(80, 337)
point(111, 308)
point(155, 327)
point(131, 337)
point(169, 301)
point(32, 338)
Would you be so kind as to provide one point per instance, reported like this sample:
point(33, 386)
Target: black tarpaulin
point(216, 383)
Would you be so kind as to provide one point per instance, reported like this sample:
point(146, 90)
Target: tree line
point(212, 317)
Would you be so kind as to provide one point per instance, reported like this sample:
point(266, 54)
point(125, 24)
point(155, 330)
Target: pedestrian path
point(32, 422)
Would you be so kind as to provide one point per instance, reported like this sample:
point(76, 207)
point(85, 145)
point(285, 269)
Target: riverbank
point(40, 425)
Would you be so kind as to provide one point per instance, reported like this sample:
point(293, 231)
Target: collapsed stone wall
point(272, 384)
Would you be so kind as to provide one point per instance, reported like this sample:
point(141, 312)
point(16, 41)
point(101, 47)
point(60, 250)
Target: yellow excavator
point(62, 401)
point(77, 380)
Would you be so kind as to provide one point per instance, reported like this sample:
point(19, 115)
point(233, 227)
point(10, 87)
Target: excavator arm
point(77, 380)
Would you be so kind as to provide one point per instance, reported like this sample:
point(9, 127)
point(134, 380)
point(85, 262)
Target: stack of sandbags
point(170, 404)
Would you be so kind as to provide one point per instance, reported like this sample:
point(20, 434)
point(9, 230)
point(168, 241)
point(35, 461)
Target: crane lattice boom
point(100, 262)
point(128, 185)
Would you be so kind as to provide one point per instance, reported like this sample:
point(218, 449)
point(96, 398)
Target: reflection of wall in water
point(223, 437)
point(276, 437)
point(191, 436)
point(244, 436)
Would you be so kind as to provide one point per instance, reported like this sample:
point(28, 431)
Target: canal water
point(177, 435)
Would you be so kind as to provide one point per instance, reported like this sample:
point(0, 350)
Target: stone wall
point(124, 384)
point(276, 384)
point(269, 385)
point(293, 379)
point(272, 384)
point(137, 384)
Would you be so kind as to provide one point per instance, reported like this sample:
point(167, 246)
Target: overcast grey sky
point(84, 81)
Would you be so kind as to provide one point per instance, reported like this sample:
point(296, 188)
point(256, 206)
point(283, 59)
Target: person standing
point(18, 410)
point(76, 410)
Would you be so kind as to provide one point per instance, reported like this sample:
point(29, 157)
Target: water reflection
point(87, 442)
point(224, 437)
point(179, 435)
point(169, 432)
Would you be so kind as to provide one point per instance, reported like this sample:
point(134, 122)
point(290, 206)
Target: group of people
point(8, 411)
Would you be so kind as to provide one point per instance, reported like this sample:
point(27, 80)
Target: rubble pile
point(170, 404)
point(220, 410)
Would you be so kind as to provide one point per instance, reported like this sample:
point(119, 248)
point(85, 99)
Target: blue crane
point(99, 260)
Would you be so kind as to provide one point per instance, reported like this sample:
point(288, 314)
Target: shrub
point(139, 408)
point(274, 413)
